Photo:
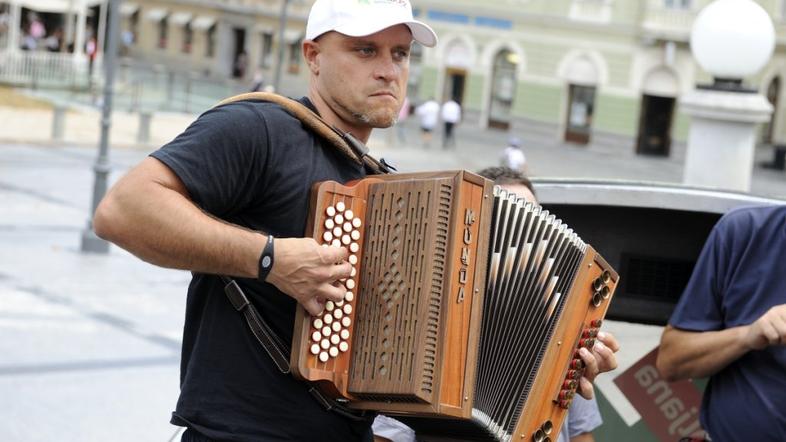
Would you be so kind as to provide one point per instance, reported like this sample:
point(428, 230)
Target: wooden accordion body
point(465, 310)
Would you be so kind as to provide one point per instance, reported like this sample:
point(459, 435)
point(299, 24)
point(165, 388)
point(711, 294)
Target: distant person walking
point(451, 115)
point(513, 157)
point(428, 113)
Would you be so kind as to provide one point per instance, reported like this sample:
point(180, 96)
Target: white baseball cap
point(359, 18)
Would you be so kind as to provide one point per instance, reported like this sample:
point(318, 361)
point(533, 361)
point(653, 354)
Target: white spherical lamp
point(732, 39)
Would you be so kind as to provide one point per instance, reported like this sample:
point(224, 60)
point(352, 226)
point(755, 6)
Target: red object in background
point(670, 409)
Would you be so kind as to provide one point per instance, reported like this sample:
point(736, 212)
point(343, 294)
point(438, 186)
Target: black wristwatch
point(266, 259)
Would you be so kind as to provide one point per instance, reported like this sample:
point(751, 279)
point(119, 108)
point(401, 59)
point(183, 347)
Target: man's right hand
point(769, 329)
point(308, 272)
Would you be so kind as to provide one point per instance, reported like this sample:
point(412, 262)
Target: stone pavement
point(90, 343)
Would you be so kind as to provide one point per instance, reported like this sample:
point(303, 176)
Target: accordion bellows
point(465, 309)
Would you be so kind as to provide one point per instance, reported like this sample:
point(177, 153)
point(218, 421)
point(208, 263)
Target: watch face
point(265, 262)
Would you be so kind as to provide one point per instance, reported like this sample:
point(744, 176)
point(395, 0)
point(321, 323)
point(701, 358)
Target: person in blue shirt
point(730, 325)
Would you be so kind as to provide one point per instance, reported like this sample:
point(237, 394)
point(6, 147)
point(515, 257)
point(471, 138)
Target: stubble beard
point(376, 118)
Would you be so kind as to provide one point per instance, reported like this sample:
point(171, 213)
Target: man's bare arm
point(149, 213)
point(686, 354)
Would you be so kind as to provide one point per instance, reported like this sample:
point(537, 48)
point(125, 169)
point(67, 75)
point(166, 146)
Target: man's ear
point(310, 53)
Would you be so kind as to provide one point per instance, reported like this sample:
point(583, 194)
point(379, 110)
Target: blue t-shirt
point(583, 417)
point(740, 275)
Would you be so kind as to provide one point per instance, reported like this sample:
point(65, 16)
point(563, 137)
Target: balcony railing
point(45, 69)
point(674, 23)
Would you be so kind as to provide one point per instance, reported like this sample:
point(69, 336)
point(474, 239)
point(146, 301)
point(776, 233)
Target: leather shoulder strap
point(349, 146)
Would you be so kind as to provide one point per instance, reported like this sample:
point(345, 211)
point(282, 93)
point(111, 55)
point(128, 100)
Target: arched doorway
point(583, 77)
point(659, 96)
point(768, 128)
point(503, 89)
point(457, 63)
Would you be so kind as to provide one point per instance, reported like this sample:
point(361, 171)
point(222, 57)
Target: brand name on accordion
point(469, 220)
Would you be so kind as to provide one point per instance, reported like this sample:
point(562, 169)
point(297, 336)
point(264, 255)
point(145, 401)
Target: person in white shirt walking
point(428, 113)
point(451, 114)
point(513, 157)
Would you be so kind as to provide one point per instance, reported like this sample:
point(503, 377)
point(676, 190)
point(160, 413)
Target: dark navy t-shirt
point(251, 164)
point(740, 274)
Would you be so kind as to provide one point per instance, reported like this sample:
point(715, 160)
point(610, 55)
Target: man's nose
point(387, 69)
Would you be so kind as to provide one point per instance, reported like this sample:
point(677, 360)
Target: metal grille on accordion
point(465, 309)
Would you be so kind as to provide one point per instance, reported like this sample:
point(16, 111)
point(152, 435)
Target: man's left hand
point(600, 360)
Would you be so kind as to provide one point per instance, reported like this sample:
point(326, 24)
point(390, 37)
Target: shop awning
point(180, 18)
point(203, 22)
point(156, 14)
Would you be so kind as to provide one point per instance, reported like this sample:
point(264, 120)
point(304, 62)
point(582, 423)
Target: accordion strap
point(276, 349)
point(349, 146)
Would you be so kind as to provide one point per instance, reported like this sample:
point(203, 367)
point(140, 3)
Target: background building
point(578, 70)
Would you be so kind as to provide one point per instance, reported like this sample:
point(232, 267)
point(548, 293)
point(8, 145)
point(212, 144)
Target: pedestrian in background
point(428, 113)
point(451, 115)
point(513, 157)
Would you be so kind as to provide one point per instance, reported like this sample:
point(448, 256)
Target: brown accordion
point(465, 309)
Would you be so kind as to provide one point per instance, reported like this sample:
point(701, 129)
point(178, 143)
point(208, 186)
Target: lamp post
point(282, 25)
point(731, 40)
point(91, 242)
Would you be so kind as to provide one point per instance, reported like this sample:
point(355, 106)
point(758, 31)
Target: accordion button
point(348, 308)
point(343, 346)
point(316, 336)
point(337, 232)
point(317, 324)
point(345, 334)
point(346, 322)
point(338, 313)
point(347, 226)
point(564, 404)
point(335, 339)
point(596, 323)
point(354, 247)
point(349, 297)
point(355, 235)
point(323, 356)
point(353, 272)
point(315, 349)
point(333, 352)
point(346, 240)
point(340, 206)
point(327, 236)
point(329, 306)
point(350, 284)
point(330, 211)
point(348, 214)
point(328, 318)
point(329, 224)
point(339, 219)
point(326, 331)
point(353, 259)
point(325, 344)
point(336, 243)
point(339, 304)
point(357, 223)
point(336, 326)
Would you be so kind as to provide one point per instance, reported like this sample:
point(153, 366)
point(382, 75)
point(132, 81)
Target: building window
point(163, 26)
point(210, 42)
point(188, 38)
point(678, 4)
point(581, 105)
point(503, 89)
point(266, 57)
point(294, 57)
